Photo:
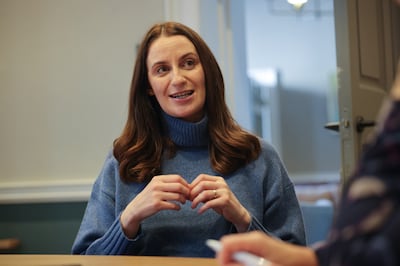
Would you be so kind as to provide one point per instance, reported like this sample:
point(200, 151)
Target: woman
point(366, 231)
point(182, 170)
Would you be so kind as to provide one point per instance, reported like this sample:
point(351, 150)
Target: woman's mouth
point(182, 94)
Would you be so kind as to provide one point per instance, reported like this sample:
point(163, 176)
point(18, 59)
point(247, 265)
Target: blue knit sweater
point(263, 188)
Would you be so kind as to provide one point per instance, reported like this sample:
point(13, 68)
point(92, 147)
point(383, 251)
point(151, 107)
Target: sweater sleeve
point(100, 232)
point(366, 229)
point(282, 216)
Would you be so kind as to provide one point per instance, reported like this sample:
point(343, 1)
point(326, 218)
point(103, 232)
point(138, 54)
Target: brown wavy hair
point(141, 145)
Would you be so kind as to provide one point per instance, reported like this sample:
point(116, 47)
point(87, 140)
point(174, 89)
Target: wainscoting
point(41, 227)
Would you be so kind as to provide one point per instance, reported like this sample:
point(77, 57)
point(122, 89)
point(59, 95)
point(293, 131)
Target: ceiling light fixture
point(298, 4)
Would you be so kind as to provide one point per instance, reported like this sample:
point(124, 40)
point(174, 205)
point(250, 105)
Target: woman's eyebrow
point(189, 54)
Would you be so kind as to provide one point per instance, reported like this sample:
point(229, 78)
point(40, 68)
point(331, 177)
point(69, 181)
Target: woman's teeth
point(182, 95)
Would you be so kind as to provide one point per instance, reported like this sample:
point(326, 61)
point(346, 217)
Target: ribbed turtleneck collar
point(187, 134)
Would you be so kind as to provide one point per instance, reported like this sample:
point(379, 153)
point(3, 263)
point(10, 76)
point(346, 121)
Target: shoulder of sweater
point(267, 148)
point(110, 168)
point(110, 157)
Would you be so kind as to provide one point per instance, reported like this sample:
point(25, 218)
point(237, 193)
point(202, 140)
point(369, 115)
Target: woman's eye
point(161, 69)
point(189, 63)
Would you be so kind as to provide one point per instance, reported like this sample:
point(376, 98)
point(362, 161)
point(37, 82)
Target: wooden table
point(88, 260)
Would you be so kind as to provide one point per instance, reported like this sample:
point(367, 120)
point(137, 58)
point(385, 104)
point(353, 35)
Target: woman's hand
point(215, 193)
point(276, 251)
point(164, 192)
point(256, 243)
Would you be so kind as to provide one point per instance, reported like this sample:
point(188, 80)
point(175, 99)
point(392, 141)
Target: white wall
point(65, 72)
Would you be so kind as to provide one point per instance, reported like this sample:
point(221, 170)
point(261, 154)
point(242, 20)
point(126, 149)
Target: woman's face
point(176, 77)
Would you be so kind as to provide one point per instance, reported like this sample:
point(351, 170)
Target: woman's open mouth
point(182, 95)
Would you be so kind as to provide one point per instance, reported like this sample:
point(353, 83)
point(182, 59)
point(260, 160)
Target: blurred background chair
point(318, 203)
point(9, 244)
point(318, 217)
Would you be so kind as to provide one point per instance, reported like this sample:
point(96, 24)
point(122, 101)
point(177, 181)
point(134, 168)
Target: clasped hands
point(165, 192)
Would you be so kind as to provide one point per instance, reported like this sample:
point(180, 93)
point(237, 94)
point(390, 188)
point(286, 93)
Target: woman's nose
point(178, 77)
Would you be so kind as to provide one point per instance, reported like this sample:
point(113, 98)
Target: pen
point(246, 258)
